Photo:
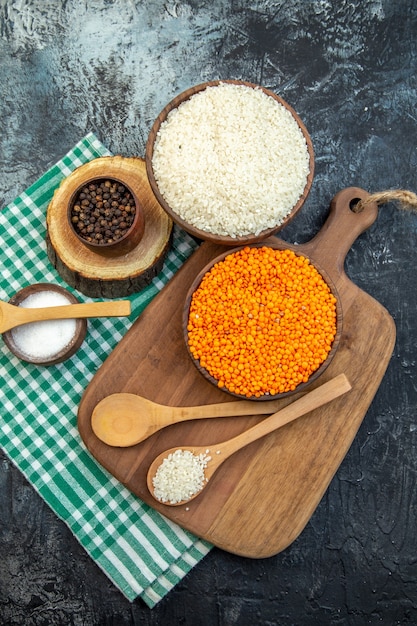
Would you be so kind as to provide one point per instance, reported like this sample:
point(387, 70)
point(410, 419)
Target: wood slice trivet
point(263, 496)
point(89, 272)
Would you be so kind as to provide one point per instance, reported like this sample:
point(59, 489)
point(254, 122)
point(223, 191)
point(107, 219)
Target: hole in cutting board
point(353, 205)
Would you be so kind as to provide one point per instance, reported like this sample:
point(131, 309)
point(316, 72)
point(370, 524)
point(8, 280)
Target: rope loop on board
point(407, 200)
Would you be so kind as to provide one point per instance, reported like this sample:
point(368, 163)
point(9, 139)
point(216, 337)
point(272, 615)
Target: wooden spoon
point(12, 315)
point(215, 455)
point(125, 419)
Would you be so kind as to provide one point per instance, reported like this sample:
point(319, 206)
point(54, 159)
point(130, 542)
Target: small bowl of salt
point(48, 342)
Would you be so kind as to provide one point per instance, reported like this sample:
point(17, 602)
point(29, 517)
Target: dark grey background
point(349, 70)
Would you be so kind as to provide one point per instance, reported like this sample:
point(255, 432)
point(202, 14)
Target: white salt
point(43, 340)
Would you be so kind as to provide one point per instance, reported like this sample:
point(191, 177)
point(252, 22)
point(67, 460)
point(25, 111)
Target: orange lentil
point(261, 321)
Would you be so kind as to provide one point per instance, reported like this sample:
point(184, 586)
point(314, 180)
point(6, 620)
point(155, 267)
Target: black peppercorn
point(103, 211)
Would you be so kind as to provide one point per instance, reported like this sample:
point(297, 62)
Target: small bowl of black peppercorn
point(106, 216)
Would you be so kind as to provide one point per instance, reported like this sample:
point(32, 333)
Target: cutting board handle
point(342, 227)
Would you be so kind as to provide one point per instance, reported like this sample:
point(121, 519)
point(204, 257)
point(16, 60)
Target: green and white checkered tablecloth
point(143, 553)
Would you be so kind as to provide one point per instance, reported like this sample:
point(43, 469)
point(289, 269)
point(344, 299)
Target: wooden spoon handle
point(223, 409)
point(312, 400)
point(130, 404)
point(22, 315)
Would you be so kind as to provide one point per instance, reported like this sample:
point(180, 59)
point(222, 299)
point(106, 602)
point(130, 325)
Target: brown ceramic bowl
point(71, 347)
point(301, 386)
point(123, 244)
point(197, 232)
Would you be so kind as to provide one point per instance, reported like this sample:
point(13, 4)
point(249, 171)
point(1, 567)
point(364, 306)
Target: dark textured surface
point(349, 69)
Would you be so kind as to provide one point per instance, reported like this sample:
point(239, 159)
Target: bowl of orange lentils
point(262, 321)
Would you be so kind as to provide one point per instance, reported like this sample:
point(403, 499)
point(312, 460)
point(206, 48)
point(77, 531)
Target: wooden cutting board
point(262, 497)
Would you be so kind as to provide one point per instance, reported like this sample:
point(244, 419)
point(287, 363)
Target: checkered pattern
point(143, 553)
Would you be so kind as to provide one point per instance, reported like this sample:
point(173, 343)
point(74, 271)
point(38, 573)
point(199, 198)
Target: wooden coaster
point(90, 273)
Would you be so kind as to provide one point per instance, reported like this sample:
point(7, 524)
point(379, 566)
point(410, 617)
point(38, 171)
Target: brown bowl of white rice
point(230, 162)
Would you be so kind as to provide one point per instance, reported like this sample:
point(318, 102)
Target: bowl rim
point(136, 228)
point(70, 349)
point(278, 245)
point(197, 232)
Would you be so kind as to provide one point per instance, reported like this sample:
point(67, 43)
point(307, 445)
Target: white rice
point(231, 160)
point(180, 476)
